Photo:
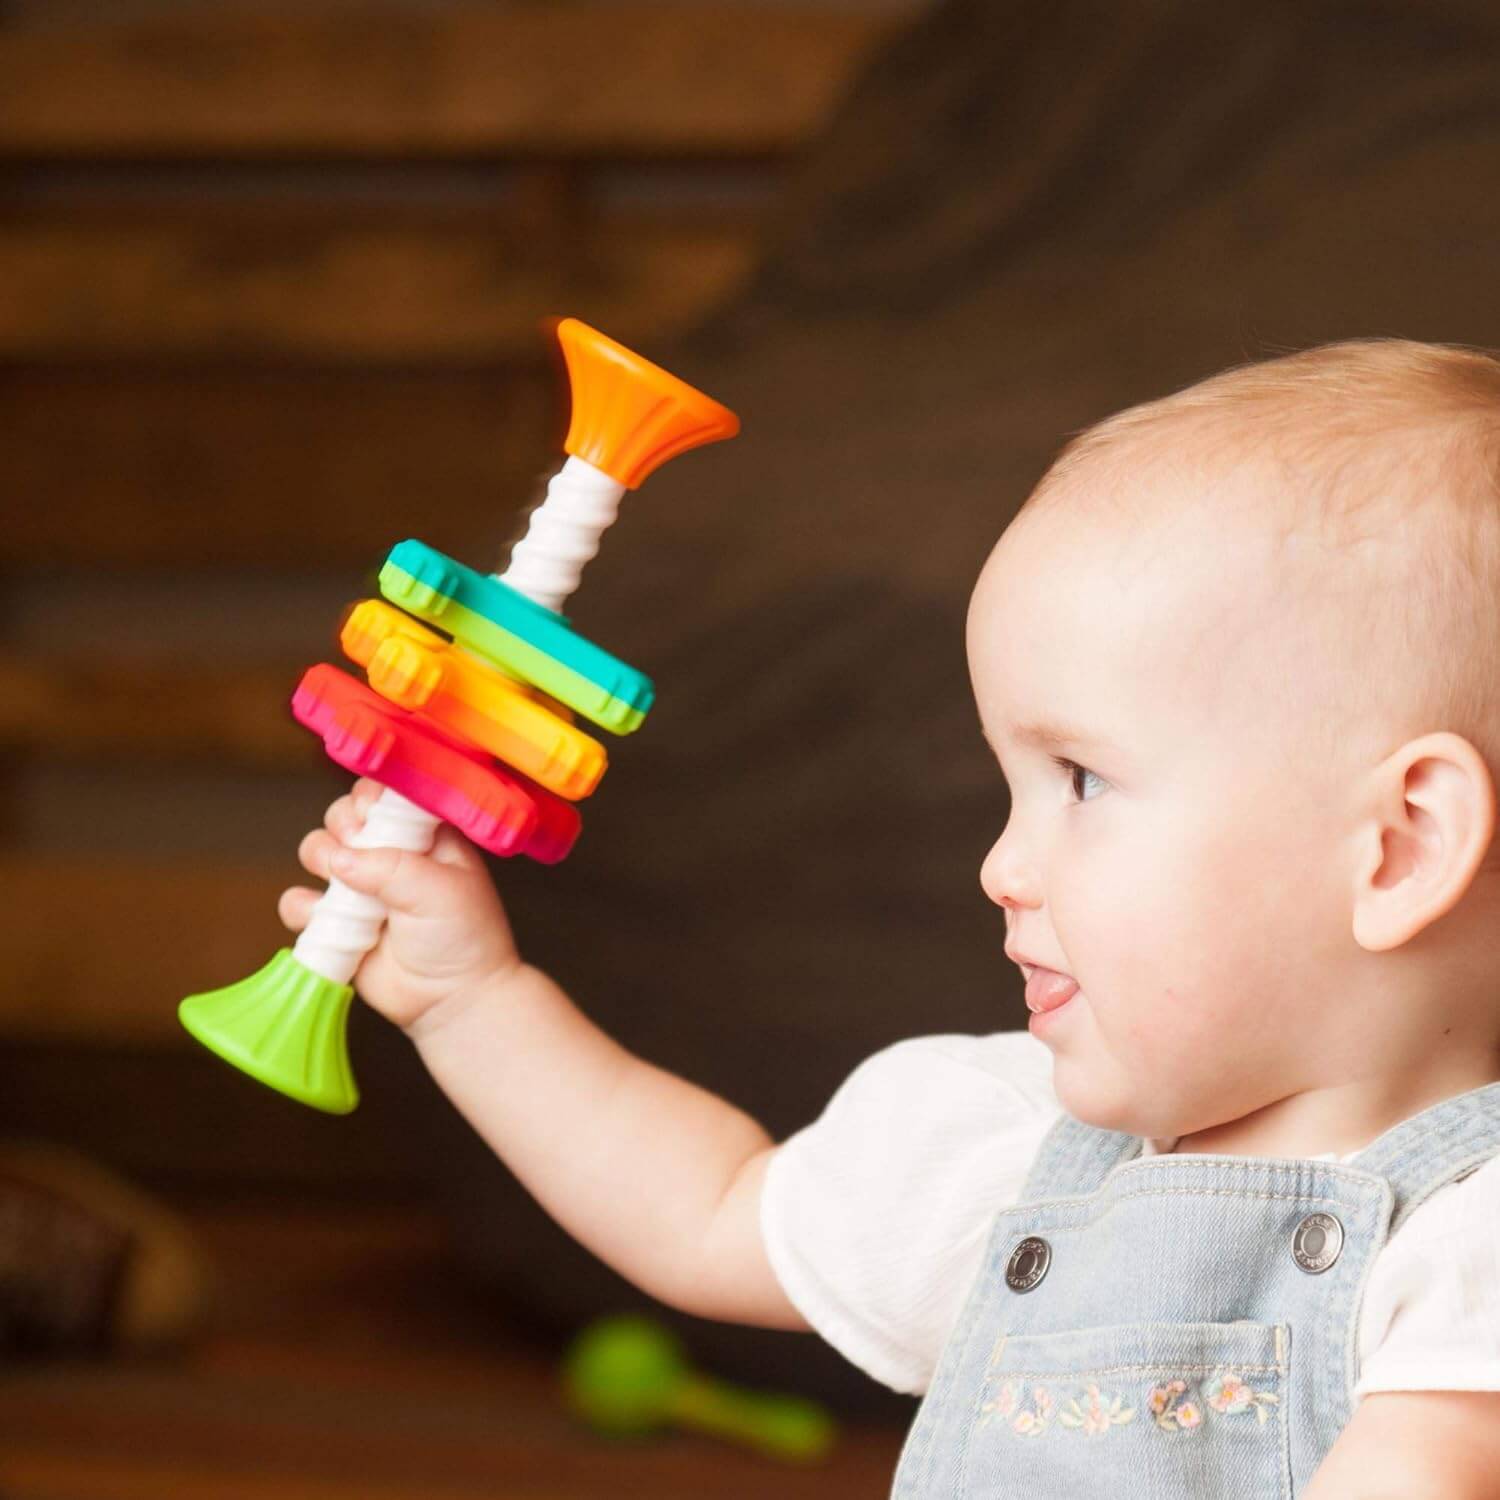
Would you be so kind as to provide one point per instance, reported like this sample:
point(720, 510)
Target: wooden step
point(538, 78)
point(102, 949)
point(101, 710)
point(266, 283)
point(351, 1360)
point(132, 466)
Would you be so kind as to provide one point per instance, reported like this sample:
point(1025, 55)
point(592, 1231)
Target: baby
point(1225, 1217)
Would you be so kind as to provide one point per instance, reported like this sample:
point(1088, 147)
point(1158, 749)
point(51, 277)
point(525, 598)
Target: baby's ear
point(1429, 827)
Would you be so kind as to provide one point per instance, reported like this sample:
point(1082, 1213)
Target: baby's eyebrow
point(1048, 737)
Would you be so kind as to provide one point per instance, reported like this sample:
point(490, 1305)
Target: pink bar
point(498, 808)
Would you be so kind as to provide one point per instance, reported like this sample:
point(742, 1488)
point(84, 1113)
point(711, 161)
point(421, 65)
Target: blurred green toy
point(627, 1376)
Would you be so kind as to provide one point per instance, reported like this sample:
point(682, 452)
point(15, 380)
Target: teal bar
point(538, 644)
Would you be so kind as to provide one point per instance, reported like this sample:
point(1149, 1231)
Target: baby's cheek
point(1163, 945)
point(1169, 1025)
point(1133, 921)
point(1157, 887)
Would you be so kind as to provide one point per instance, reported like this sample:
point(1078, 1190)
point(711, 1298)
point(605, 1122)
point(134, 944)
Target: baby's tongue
point(1046, 991)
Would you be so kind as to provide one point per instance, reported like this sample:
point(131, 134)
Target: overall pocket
point(1133, 1411)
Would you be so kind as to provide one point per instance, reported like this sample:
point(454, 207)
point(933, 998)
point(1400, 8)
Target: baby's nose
point(1006, 879)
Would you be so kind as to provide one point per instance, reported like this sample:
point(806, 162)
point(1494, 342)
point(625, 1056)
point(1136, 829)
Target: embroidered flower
point(1003, 1404)
point(1163, 1395)
point(1035, 1422)
point(1171, 1414)
point(1097, 1413)
point(1227, 1393)
point(1093, 1412)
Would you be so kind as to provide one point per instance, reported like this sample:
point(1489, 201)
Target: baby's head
point(1269, 606)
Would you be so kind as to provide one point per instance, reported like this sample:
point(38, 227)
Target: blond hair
point(1388, 452)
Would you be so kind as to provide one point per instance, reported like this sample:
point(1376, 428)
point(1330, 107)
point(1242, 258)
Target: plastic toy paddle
point(626, 1376)
point(471, 722)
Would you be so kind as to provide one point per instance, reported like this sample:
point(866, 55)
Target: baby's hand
point(447, 933)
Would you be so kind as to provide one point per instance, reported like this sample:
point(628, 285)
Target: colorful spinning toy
point(475, 727)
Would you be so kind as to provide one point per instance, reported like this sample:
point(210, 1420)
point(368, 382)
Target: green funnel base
point(285, 1026)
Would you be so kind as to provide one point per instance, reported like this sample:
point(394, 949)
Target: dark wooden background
point(273, 290)
point(270, 286)
point(272, 283)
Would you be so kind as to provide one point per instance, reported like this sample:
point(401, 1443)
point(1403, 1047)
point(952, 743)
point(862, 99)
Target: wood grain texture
point(172, 1117)
point(577, 77)
point(347, 1359)
point(111, 709)
point(265, 284)
point(130, 466)
point(106, 948)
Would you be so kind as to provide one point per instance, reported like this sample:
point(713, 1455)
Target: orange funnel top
point(630, 416)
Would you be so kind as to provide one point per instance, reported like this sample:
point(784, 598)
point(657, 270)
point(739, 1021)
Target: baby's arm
point(659, 1178)
point(1414, 1445)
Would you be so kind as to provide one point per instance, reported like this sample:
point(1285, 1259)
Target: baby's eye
point(1074, 771)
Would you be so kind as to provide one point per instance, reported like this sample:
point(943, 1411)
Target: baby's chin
point(1108, 1098)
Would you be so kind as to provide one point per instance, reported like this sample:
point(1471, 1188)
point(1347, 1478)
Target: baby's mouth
point(1047, 990)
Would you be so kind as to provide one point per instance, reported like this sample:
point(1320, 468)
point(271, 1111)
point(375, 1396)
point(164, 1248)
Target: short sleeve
point(1431, 1316)
point(875, 1216)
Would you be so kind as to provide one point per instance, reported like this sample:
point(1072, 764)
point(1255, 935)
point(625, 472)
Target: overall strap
point(1075, 1158)
point(1446, 1141)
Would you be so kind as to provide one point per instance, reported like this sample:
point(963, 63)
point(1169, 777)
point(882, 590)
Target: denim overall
point(1173, 1327)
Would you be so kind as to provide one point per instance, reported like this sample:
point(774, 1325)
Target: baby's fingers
point(365, 793)
point(316, 849)
point(346, 815)
point(450, 847)
point(294, 906)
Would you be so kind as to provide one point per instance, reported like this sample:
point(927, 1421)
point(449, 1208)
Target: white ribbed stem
point(580, 506)
point(345, 924)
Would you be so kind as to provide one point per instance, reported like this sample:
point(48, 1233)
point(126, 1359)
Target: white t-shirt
point(876, 1216)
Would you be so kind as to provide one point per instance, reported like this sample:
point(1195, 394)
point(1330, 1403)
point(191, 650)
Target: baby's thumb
point(392, 876)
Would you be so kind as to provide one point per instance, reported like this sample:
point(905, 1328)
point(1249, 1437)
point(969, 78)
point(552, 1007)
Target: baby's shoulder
point(1469, 1206)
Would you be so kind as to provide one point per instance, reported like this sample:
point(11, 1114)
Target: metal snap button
point(1028, 1264)
point(1317, 1242)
